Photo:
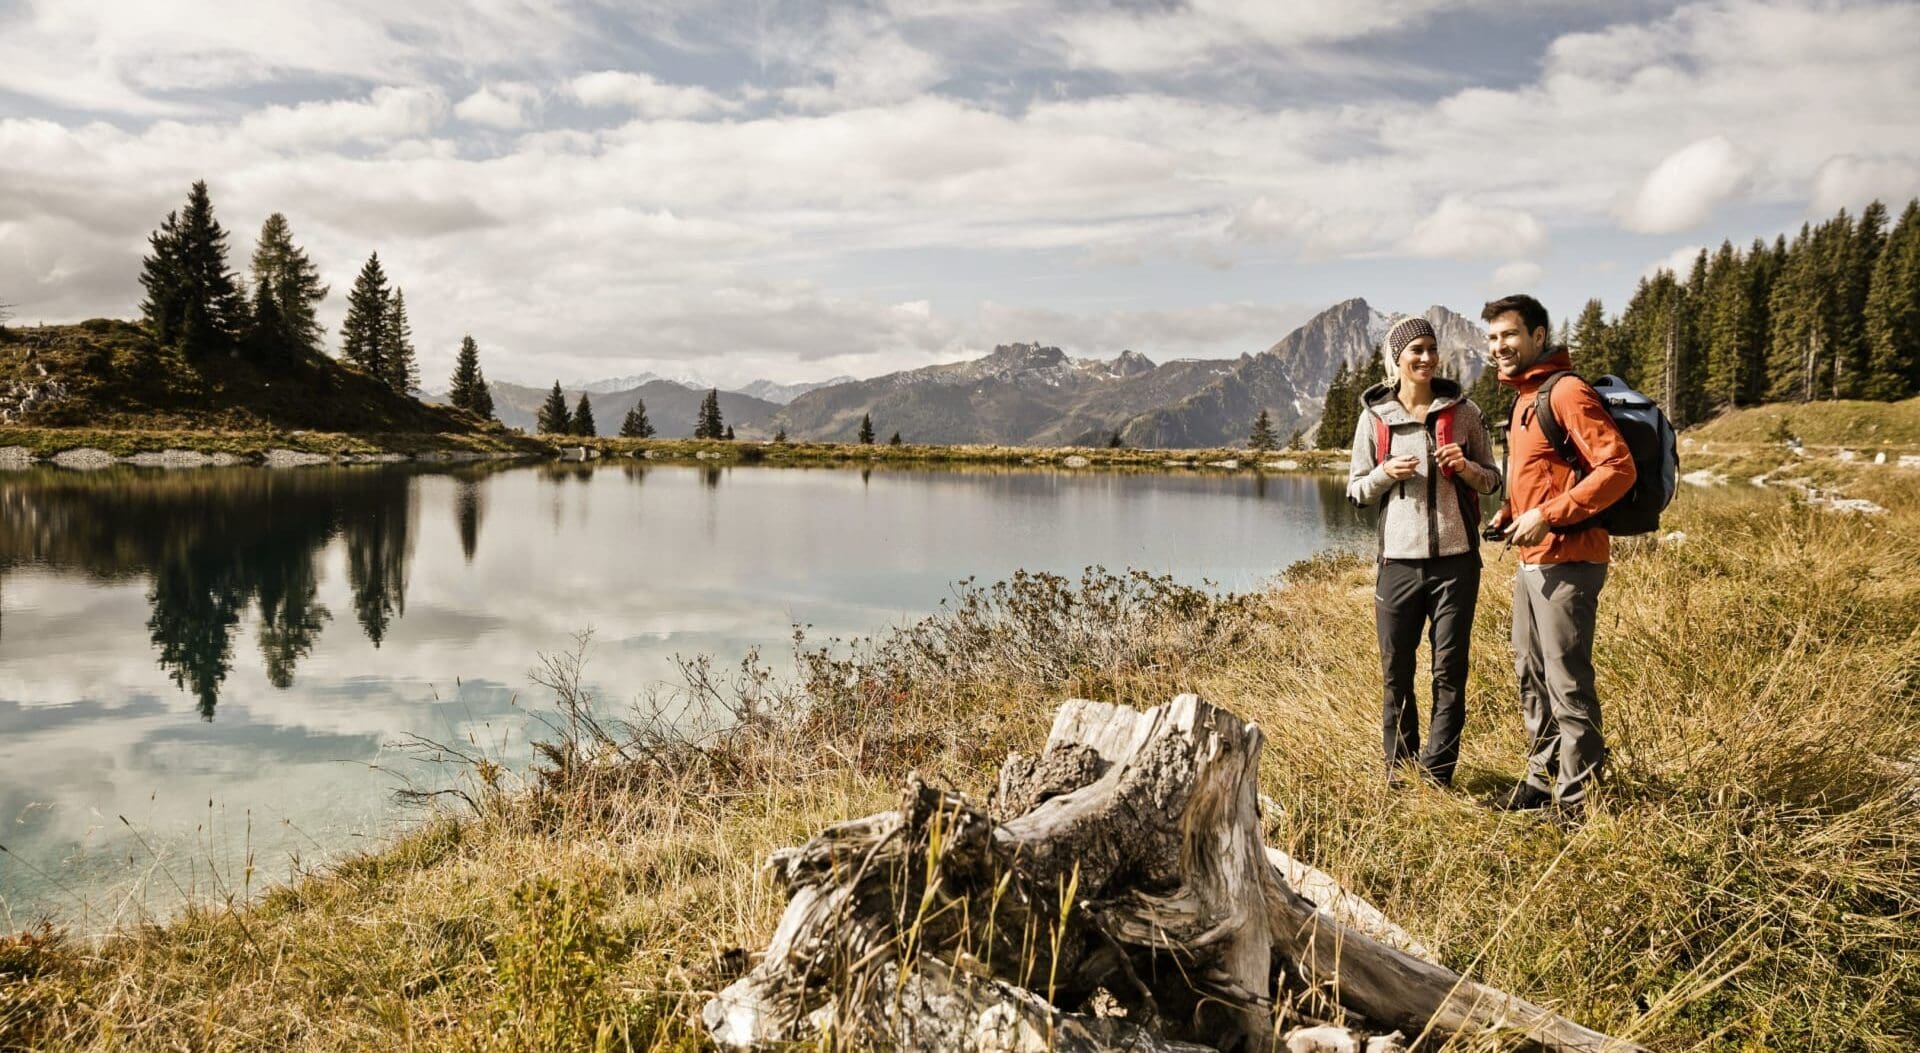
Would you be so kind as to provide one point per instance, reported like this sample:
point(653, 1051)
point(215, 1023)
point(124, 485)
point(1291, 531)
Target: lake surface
point(205, 668)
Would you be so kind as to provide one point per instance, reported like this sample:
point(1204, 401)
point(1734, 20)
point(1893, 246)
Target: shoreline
point(84, 448)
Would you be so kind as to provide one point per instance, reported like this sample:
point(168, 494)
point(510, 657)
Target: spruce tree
point(553, 418)
point(637, 426)
point(363, 331)
point(582, 423)
point(1341, 413)
point(709, 424)
point(1262, 438)
point(866, 429)
point(483, 397)
point(1893, 312)
point(1722, 317)
point(286, 285)
point(463, 390)
point(780, 434)
point(1297, 441)
point(1758, 271)
point(400, 371)
point(1588, 341)
point(1862, 252)
point(1114, 443)
point(1496, 399)
point(895, 441)
point(1799, 340)
point(194, 301)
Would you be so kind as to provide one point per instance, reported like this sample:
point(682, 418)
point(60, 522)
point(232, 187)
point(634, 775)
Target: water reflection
point(322, 614)
point(214, 544)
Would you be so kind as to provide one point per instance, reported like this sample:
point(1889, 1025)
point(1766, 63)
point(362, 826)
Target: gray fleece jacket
point(1427, 515)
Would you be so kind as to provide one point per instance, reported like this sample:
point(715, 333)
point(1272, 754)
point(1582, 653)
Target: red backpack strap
point(1443, 430)
point(1382, 436)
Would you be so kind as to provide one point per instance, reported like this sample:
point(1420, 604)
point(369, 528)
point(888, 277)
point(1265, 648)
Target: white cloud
point(1687, 185)
point(387, 115)
point(1464, 230)
point(646, 96)
point(1679, 262)
point(1850, 182)
point(1520, 274)
point(504, 106)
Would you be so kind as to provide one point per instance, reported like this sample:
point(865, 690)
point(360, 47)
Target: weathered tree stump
point(1118, 897)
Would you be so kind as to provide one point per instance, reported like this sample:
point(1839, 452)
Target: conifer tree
point(401, 372)
point(1591, 343)
point(780, 434)
point(1798, 341)
point(709, 424)
point(1342, 409)
point(1496, 399)
point(553, 418)
point(287, 286)
point(1297, 441)
point(1725, 328)
point(1893, 312)
point(866, 429)
point(463, 390)
point(194, 300)
point(1262, 438)
point(637, 426)
point(1862, 251)
point(1114, 443)
point(582, 422)
point(483, 396)
point(895, 440)
point(363, 331)
point(729, 435)
point(1758, 271)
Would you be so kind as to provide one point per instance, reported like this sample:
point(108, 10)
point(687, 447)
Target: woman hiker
point(1422, 456)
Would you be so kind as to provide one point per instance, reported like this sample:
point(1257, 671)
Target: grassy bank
point(1751, 882)
point(844, 453)
point(251, 445)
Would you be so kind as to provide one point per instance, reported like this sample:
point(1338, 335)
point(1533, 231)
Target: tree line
point(199, 306)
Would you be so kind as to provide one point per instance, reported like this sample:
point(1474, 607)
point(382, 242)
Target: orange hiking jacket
point(1538, 477)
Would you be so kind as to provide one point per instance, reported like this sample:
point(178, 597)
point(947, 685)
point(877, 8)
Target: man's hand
point(1398, 468)
point(1450, 457)
point(1528, 529)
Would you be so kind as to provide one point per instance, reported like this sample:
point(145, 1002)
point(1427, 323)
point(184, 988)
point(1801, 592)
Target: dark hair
point(1532, 314)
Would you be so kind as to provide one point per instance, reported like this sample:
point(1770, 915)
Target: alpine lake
point(212, 678)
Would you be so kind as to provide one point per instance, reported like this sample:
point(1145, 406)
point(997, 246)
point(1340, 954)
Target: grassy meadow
point(1751, 880)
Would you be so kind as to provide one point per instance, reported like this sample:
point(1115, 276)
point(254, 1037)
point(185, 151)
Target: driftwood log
point(1117, 896)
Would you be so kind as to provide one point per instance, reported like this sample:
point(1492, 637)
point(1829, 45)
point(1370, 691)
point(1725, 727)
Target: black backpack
point(1651, 440)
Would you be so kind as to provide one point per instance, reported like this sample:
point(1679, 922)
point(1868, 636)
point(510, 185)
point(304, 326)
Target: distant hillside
point(1027, 394)
point(671, 407)
point(1864, 426)
point(110, 374)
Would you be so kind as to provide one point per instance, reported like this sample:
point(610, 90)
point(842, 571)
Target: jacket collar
point(1383, 400)
point(1531, 377)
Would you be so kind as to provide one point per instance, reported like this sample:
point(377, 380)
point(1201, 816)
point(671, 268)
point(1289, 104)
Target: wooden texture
point(1116, 896)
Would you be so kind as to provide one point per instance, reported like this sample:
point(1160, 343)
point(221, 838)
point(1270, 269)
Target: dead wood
point(1117, 897)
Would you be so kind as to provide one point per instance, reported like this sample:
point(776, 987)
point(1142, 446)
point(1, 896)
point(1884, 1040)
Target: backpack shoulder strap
point(1443, 430)
point(1550, 424)
point(1382, 437)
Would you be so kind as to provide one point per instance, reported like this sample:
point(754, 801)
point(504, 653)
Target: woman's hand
point(1398, 468)
point(1450, 457)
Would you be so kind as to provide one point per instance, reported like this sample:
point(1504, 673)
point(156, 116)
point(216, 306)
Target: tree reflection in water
point(213, 542)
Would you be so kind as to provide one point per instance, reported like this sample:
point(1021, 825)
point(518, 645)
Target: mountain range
point(1034, 395)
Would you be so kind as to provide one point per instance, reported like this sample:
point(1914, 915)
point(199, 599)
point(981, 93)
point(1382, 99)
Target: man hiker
point(1548, 515)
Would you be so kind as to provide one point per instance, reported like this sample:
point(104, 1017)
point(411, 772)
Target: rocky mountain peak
point(1130, 363)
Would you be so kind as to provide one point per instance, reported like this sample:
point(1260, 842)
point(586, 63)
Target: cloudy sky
point(797, 190)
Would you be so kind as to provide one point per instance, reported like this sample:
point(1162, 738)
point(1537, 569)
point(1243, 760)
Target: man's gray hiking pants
point(1438, 595)
point(1554, 610)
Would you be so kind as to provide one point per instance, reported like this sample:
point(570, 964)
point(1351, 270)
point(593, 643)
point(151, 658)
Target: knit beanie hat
point(1401, 332)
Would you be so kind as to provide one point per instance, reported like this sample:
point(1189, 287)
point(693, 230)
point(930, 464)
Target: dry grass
point(1749, 881)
